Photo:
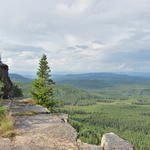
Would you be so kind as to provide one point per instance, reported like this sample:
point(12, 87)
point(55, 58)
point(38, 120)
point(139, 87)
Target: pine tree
point(42, 88)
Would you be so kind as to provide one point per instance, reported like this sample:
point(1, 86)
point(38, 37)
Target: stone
point(111, 141)
point(4, 78)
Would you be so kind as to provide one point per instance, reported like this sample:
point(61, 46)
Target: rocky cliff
point(5, 79)
point(44, 131)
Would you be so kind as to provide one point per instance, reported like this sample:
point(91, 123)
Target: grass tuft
point(6, 123)
point(9, 134)
point(27, 113)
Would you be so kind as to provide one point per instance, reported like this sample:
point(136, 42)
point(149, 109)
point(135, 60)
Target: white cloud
point(73, 7)
point(77, 35)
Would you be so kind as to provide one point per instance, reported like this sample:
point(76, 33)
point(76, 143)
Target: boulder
point(110, 141)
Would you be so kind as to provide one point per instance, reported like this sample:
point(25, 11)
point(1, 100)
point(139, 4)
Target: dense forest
point(122, 107)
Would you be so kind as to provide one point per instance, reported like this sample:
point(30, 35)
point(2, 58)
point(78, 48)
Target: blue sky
point(77, 35)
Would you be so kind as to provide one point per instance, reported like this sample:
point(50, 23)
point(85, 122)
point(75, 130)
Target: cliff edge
point(4, 78)
point(38, 130)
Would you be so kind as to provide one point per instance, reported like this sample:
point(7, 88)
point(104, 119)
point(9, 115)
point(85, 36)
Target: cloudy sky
point(77, 35)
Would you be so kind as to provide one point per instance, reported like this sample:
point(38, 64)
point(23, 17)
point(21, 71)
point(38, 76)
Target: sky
point(77, 35)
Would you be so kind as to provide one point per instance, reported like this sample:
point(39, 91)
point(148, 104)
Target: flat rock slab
point(41, 131)
point(20, 107)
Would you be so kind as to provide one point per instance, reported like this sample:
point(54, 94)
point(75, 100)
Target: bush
point(17, 92)
point(89, 136)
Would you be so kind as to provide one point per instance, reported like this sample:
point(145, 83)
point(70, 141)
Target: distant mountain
point(99, 80)
point(99, 76)
point(93, 80)
point(29, 76)
point(139, 74)
point(17, 77)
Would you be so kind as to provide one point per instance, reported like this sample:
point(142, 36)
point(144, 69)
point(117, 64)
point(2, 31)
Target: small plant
point(9, 134)
point(16, 91)
point(6, 123)
point(3, 110)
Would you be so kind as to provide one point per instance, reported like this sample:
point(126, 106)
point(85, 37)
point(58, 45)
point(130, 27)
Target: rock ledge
point(45, 131)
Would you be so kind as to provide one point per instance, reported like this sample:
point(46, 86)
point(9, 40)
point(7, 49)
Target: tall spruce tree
point(42, 88)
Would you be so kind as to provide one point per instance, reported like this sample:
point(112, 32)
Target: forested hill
point(99, 80)
point(94, 107)
point(93, 80)
point(85, 89)
point(18, 77)
point(118, 77)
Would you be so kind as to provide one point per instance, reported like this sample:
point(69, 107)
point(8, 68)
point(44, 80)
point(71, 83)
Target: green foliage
point(3, 110)
point(70, 95)
point(44, 71)
point(9, 134)
point(1, 87)
point(77, 125)
point(75, 96)
point(43, 95)
point(89, 135)
point(129, 121)
point(17, 91)
point(26, 87)
point(42, 91)
point(6, 122)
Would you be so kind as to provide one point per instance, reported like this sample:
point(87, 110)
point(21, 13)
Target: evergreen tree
point(16, 91)
point(42, 91)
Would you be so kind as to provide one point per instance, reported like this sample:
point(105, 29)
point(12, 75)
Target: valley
point(97, 104)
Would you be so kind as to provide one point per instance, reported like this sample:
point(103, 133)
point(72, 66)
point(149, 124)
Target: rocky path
point(39, 130)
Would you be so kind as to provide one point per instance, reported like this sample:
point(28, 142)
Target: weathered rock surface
point(110, 141)
point(5, 144)
point(5, 79)
point(43, 131)
point(85, 146)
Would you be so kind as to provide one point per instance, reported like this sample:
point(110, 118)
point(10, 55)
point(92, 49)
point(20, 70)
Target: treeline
point(69, 95)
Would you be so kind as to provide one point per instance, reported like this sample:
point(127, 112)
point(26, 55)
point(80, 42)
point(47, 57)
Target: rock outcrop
point(111, 141)
point(44, 131)
point(4, 77)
